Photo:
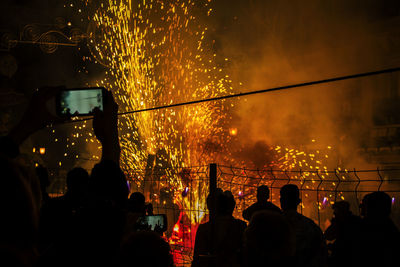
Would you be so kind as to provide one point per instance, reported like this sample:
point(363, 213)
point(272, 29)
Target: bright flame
point(233, 131)
point(176, 228)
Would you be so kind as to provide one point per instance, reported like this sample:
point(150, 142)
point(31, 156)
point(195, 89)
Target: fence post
point(319, 202)
point(213, 200)
point(213, 190)
point(356, 190)
point(213, 178)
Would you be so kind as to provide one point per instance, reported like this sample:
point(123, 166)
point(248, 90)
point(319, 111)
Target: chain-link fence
point(319, 189)
point(181, 194)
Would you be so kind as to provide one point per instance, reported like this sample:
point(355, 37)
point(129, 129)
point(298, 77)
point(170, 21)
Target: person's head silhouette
point(136, 203)
point(341, 209)
point(225, 203)
point(290, 197)
point(210, 204)
point(108, 183)
point(231, 203)
point(376, 205)
point(262, 193)
point(77, 180)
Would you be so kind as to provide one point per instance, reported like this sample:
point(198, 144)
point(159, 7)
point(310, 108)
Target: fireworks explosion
point(156, 54)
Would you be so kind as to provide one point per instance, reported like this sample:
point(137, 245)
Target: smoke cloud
point(275, 43)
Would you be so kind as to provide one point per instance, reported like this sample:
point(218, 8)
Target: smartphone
point(79, 101)
point(152, 222)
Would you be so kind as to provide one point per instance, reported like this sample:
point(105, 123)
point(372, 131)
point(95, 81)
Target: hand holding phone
point(105, 126)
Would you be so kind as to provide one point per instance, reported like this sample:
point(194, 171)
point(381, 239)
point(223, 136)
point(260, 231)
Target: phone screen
point(153, 222)
point(77, 102)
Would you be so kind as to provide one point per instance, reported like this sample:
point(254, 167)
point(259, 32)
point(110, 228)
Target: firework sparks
point(156, 54)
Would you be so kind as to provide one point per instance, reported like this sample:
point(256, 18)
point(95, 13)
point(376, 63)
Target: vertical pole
point(213, 178)
point(213, 190)
point(213, 200)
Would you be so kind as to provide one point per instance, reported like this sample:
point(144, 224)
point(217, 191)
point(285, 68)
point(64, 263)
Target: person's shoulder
point(250, 210)
point(307, 220)
point(203, 228)
point(252, 206)
point(272, 206)
point(310, 223)
point(240, 222)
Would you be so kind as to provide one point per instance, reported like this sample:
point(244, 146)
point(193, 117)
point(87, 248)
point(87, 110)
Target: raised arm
point(105, 126)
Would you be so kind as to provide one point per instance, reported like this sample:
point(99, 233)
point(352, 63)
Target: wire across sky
point(273, 89)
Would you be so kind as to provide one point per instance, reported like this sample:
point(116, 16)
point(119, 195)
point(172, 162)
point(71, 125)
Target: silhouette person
point(310, 244)
point(220, 243)
point(261, 204)
point(100, 225)
point(77, 188)
point(97, 229)
point(19, 217)
point(145, 248)
point(57, 214)
point(344, 231)
point(19, 188)
point(380, 238)
point(269, 241)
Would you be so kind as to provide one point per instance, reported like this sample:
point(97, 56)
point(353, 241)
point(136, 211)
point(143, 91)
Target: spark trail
point(156, 53)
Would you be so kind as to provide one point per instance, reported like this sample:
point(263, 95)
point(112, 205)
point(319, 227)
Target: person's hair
point(377, 205)
point(137, 197)
point(262, 193)
point(146, 248)
point(290, 196)
point(268, 239)
point(343, 205)
point(136, 202)
point(77, 178)
point(231, 203)
point(225, 203)
point(210, 205)
point(107, 182)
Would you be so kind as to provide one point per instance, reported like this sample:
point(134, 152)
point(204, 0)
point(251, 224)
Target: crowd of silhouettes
point(284, 237)
point(95, 223)
point(92, 224)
